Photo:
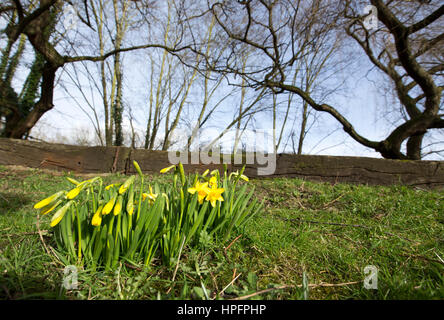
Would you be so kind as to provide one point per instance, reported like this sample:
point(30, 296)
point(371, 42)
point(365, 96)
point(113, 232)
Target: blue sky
point(360, 102)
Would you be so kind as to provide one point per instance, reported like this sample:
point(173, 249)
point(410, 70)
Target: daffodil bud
point(182, 173)
point(205, 172)
point(58, 216)
point(48, 200)
point(73, 193)
point(109, 206)
point(130, 204)
point(49, 207)
point(136, 165)
point(165, 170)
point(118, 206)
point(126, 184)
point(73, 181)
point(97, 218)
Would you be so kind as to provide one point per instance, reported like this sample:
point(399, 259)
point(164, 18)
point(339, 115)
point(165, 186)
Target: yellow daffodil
point(165, 170)
point(215, 194)
point(213, 181)
point(130, 204)
point(49, 207)
point(112, 186)
point(73, 193)
point(118, 206)
point(242, 176)
point(109, 206)
point(58, 216)
point(201, 189)
point(97, 218)
point(48, 200)
point(151, 196)
point(126, 184)
point(73, 181)
point(136, 165)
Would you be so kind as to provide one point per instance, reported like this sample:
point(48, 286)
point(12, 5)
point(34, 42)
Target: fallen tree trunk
point(333, 169)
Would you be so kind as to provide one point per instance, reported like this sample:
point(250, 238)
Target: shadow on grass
point(12, 201)
point(18, 287)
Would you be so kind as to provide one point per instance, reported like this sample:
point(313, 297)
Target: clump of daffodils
point(101, 225)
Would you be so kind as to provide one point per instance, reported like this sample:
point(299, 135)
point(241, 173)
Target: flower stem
point(79, 230)
point(140, 198)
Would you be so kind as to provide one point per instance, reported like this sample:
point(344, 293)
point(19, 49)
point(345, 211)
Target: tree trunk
point(21, 126)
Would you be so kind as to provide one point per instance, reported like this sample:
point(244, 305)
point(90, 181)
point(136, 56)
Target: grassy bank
point(323, 233)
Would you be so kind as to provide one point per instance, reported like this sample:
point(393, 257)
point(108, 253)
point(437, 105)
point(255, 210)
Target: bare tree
point(282, 41)
point(34, 23)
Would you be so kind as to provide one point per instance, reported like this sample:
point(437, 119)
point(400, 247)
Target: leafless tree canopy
point(277, 57)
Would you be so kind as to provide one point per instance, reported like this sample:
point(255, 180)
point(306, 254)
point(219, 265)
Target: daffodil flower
point(130, 204)
point(109, 186)
point(201, 189)
point(73, 193)
point(215, 194)
point(50, 207)
point(97, 218)
point(165, 170)
point(151, 196)
point(213, 181)
point(136, 165)
point(126, 184)
point(109, 206)
point(118, 206)
point(58, 216)
point(243, 177)
point(48, 200)
point(73, 181)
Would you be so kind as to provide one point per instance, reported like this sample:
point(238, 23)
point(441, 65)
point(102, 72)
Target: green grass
point(328, 233)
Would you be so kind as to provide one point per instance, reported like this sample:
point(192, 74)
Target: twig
point(132, 267)
point(40, 232)
point(177, 265)
point(333, 201)
point(300, 204)
point(295, 286)
point(423, 258)
point(232, 242)
point(440, 259)
point(228, 285)
point(32, 233)
point(4, 198)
